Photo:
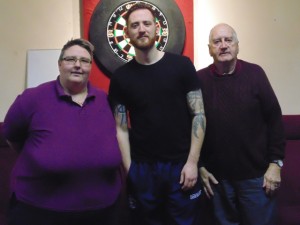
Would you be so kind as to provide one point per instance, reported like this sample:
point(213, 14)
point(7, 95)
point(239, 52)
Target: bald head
point(222, 26)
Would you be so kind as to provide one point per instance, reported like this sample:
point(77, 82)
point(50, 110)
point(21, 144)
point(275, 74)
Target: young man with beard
point(160, 92)
point(244, 141)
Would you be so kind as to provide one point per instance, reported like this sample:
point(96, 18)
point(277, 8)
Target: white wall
point(269, 35)
point(31, 24)
point(268, 31)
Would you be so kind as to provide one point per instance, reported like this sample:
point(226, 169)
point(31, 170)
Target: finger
point(210, 191)
point(206, 192)
point(208, 188)
point(277, 185)
point(187, 185)
point(268, 191)
point(181, 178)
point(183, 181)
point(213, 179)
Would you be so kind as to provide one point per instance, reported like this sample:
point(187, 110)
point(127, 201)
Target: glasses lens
point(72, 60)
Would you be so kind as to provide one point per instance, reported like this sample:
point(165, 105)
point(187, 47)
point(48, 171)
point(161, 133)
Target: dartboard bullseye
point(106, 33)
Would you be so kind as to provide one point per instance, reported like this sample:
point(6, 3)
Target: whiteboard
point(41, 66)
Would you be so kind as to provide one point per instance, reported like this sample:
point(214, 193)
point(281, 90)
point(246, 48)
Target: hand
point(272, 179)
point(206, 178)
point(189, 175)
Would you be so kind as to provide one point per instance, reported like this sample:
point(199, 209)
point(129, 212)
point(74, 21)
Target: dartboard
point(119, 44)
point(112, 47)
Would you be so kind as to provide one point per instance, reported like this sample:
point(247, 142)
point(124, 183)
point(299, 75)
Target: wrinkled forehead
point(222, 31)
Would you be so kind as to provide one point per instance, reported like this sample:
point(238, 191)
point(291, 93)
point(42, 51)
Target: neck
point(78, 96)
point(225, 68)
point(149, 56)
point(73, 88)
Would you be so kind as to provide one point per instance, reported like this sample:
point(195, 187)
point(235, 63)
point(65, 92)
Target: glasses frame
point(71, 60)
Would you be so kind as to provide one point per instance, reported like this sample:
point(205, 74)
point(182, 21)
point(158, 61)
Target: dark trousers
point(243, 203)
point(24, 214)
point(156, 197)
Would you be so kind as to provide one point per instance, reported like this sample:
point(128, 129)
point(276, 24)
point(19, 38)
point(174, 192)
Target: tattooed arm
point(189, 173)
point(120, 114)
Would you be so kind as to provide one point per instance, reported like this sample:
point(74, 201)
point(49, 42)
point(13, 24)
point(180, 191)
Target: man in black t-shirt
point(161, 94)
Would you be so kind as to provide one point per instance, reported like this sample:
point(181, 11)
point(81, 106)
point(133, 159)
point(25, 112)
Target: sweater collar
point(237, 68)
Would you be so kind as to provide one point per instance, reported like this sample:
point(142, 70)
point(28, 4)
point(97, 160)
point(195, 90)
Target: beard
point(142, 44)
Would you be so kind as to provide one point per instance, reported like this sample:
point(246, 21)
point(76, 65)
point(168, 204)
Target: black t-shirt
point(156, 98)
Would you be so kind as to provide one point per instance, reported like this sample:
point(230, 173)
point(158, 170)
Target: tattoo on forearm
point(195, 102)
point(120, 114)
point(198, 121)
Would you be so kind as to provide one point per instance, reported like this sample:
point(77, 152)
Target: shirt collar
point(61, 93)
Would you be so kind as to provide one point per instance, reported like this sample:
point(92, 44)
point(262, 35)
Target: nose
point(77, 63)
point(224, 44)
point(141, 28)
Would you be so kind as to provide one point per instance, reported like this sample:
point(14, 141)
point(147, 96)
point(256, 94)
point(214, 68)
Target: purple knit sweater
point(244, 122)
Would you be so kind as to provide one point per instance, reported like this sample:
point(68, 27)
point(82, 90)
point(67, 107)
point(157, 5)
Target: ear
point(157, 29)
point(126, 32)
point(209, 49)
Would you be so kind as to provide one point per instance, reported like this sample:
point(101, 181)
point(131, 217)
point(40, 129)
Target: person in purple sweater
point(67, 171)
point(244, 142)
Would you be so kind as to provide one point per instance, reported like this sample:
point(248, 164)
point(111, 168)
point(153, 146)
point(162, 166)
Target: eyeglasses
point(71, 60)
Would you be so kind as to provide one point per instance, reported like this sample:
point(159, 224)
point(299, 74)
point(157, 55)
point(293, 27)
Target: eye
point(229, 40)
point(216, 42)
point(85, 60)
point(134, 25)
point(147, 23)
point(70, 59)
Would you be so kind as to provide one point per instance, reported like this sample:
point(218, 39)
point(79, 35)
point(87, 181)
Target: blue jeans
point(243, 202)
point(156, 197)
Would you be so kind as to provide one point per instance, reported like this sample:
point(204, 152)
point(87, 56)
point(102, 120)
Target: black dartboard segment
point(106, 33)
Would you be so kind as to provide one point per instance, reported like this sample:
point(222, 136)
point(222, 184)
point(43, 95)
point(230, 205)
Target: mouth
point(224, 53)
point(141, 37)
point(76, 73)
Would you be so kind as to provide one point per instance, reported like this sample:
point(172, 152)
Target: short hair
point(80, 42)
point(137, 6)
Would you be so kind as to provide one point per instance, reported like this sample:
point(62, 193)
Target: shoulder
point(93, 90)
point(177, 57)
point(39, 91)
point(204, 71)
point(127, 66)
point(123, 71)
point(250, 66)
point(179, 63)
